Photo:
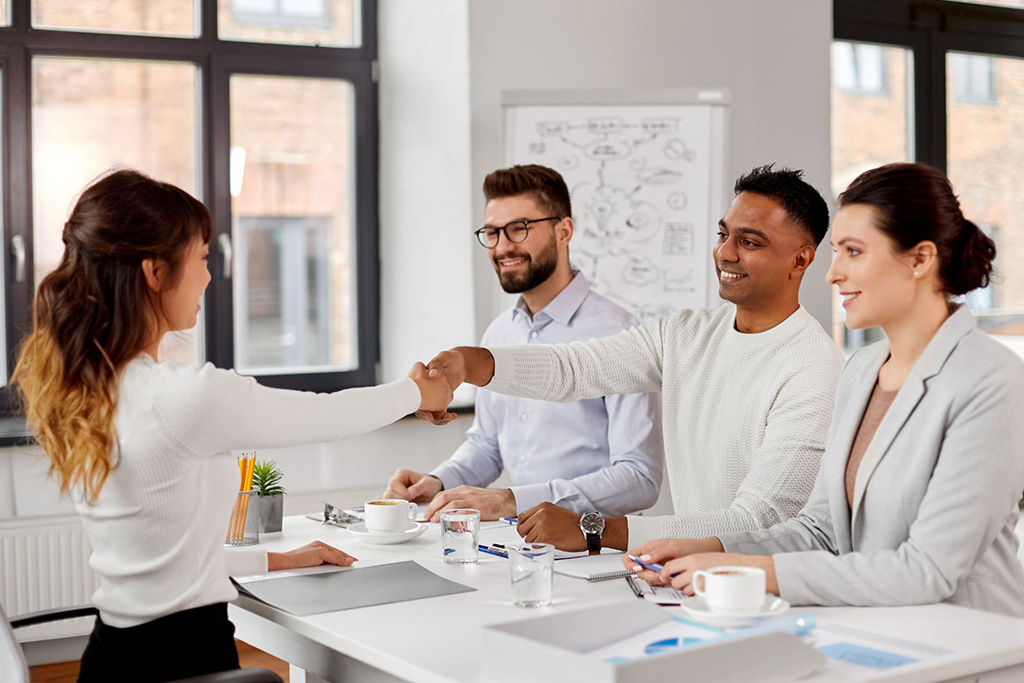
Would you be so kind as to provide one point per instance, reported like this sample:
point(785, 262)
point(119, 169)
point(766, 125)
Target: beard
point(537, 271)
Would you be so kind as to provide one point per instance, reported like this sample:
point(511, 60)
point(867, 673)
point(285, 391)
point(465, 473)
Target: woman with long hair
point(916, 500)
point(144, 446)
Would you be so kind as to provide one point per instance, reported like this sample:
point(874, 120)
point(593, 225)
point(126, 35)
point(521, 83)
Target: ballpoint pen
point(510, 520)
point(491, 551)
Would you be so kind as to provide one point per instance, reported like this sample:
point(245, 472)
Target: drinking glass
point(460, 530)
point(532, 573)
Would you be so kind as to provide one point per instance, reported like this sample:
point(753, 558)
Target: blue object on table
point(510, 520)
point(865, 656)
point(491, 551)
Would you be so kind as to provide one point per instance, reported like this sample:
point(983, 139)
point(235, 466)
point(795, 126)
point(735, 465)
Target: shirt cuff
point(243, 561)
point(449, 479)
point(530, 495)
point(643, 530)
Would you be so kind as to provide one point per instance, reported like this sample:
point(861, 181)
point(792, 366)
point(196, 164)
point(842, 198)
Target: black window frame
point(216, 60)
point(930, 29)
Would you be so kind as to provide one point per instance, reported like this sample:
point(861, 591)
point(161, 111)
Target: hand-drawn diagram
point(639, 181)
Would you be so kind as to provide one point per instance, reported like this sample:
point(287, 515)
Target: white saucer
point(697, 610)
point(387, 537)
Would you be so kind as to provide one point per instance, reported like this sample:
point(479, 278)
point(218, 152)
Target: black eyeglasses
point(516, 231)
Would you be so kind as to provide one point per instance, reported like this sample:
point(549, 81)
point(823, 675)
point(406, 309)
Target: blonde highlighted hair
point(94, 313)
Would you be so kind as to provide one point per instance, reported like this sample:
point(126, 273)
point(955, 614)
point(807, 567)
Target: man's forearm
point(479, 364)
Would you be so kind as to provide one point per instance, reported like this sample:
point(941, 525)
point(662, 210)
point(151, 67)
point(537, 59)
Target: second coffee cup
point(731, 590)
point(388, 515)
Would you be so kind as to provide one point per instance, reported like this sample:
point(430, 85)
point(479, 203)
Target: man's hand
point(435, 392)
point(461, 364)
point(666, 549)
point(312, 555)
point(549, 523)
point(414, 486)
point(492, 503)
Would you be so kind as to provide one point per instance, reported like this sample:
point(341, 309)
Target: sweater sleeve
point(245, 560)
point(210, 410)
point(629, 362)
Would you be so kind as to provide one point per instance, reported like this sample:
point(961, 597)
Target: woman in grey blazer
point(916, 500)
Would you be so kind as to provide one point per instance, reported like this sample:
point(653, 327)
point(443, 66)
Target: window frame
point(216, 61)
point(931, 29)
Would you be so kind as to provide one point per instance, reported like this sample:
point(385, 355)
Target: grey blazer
point(935, 499)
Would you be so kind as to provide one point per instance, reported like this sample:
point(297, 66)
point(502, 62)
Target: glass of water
point(532, 573)
point(460, 530)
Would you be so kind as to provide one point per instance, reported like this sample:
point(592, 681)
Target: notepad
point(593, 567)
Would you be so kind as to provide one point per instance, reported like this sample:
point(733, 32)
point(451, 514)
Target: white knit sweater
point(745, 415)
point(157, 528)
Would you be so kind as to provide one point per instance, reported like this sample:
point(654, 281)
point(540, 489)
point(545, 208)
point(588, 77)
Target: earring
point(917, 274)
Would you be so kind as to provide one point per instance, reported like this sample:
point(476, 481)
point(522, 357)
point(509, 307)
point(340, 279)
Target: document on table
point(850, 646)
point(347, 587)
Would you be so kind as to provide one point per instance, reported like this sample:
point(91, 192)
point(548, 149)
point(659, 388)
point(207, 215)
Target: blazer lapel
point(910, 394)
point(846, 431)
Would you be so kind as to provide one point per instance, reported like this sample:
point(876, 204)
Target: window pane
point(985, 152)
point(292, 220)
point(299, 22)
point(90, 115)
point(150, 17)
point(1005, 3)
point(870, 127)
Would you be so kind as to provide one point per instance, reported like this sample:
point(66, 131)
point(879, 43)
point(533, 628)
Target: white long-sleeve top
point(745, 416)
point(157, 527)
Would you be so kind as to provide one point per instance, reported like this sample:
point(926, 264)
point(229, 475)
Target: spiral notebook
point(593, 567)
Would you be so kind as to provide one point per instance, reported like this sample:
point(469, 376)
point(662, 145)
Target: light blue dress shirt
point(602, 454)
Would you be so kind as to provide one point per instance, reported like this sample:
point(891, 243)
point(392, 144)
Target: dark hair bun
point(971, 265)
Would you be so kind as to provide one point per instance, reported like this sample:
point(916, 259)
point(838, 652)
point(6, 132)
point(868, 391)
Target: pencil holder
point(244, 525)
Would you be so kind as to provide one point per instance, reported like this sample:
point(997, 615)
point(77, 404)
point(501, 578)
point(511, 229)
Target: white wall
point(772, 56)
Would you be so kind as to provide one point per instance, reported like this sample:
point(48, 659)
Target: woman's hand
point(664, 550)
point(312, 555)
point(435, 392)
point(679, 572)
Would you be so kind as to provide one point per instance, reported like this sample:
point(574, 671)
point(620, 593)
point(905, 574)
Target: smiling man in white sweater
point(747, 388)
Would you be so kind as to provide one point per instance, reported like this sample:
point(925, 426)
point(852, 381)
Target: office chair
point(13, 668)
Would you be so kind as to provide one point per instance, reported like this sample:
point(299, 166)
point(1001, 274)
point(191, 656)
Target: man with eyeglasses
point(603, 453)
point(746, 388)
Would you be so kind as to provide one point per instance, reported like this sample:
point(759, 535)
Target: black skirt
point(184, 644)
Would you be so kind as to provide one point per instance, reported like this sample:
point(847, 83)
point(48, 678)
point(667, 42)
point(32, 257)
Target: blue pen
point(489, 551)
point(653, 566)
point(510, 520)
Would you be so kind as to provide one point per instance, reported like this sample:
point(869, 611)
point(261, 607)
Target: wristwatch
point(592, 526)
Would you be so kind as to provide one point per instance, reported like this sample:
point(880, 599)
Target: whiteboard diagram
point(641, 179)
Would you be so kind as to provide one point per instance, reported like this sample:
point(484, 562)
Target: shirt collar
point(564, 306)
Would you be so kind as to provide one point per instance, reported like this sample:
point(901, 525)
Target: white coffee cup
point(731, 590)
point(388, 515)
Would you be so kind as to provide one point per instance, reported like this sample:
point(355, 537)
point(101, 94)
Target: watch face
point(592, 523)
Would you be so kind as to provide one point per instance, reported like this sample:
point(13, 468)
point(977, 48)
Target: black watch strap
point(594, 544)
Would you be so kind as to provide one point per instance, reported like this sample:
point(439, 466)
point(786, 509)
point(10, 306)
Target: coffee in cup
point(388, 515)
point(731, 590)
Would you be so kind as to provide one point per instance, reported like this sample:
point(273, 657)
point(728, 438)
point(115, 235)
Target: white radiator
point(44, 564)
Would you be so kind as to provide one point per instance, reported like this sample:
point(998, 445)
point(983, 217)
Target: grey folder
point(350, 588)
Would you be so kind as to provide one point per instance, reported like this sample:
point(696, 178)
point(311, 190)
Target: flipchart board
point(646, 174)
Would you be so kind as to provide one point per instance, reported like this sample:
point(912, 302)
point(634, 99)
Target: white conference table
point(438, 639)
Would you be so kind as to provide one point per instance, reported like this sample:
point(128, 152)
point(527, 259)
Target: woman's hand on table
point(680, 558)
point(312, 555)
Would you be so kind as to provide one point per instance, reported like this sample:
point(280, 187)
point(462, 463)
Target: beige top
point(873, 414)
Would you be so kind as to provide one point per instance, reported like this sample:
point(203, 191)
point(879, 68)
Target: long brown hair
point(94, 313)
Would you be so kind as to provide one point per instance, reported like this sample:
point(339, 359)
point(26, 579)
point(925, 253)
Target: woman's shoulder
point(979, 358)
point(176, 382)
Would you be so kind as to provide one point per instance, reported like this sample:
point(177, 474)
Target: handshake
point(438, 379)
